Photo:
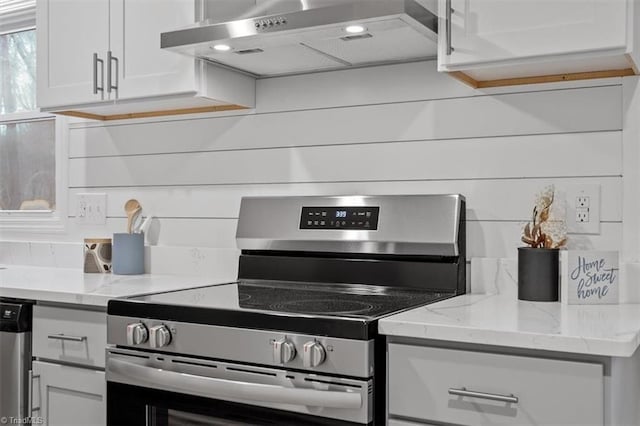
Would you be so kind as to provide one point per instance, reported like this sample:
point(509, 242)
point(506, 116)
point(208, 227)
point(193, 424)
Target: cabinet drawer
point(548, 392)
point(69, 335)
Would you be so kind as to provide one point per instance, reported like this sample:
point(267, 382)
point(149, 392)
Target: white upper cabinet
point(143, 69)
point(102, 59)
point(69, 34)
point(499, 39)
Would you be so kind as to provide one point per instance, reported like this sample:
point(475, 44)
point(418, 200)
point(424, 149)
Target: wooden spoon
point(131, 208)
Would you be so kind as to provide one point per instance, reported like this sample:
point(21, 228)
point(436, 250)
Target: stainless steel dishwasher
point(15, 359)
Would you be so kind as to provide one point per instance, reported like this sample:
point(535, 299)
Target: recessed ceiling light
point(222, 47)
point(355, 29)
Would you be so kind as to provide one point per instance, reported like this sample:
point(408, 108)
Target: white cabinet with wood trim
point(490, 43)
point(102, 59)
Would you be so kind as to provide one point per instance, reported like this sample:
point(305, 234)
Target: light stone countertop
point(57, 285)
point(502, 320)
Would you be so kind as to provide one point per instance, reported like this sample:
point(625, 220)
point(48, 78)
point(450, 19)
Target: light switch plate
point(91, 209)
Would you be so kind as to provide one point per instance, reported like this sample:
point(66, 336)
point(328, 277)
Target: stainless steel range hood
point(318, 35)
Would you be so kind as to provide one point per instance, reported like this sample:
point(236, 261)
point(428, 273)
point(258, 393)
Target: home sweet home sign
point(589, 277)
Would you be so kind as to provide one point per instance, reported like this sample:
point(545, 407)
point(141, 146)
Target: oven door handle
point(231, 389)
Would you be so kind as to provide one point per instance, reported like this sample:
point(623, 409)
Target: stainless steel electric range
point(294, 341)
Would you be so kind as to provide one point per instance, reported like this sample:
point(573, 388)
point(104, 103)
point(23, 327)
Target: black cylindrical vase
point(538, 274)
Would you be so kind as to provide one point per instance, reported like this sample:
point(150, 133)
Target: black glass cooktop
point(341, 310)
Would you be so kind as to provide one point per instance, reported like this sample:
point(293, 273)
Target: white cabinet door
point(68, 396)
point(69, 32)
point(143, 68)
point(503, 31)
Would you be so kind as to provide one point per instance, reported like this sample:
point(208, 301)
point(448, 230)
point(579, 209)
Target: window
point(27, 165)
point(18, 72)
point(28, 152)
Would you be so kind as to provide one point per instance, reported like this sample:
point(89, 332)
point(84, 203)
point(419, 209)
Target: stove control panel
point(349, 218)
point(313, 354)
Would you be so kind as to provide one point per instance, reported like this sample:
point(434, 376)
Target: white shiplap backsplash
point(388, 130)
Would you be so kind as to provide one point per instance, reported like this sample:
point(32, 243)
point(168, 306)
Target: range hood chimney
point(320, 35)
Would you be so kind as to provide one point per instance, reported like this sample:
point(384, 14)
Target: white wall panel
point(484, 238)
point(45, 254)
point(382, 84)
point(193, 243)
point(385, 130)
point(502, 239)
point(560, 111)
point(569, 155)
point(219, 264)
point(509, 199)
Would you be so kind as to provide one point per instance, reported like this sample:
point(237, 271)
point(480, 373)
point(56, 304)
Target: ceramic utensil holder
point(97, 255)
point(538, 274)
point(128, 254)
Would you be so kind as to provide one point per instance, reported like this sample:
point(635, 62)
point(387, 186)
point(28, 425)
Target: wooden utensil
point(131, 208)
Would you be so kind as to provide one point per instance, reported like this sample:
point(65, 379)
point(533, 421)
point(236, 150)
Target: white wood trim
point(17, 117)
point(17, 15)
point(631, 189)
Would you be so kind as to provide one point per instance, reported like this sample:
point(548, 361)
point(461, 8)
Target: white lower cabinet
point(68, 396)
point(68, 385)
point(475, 388)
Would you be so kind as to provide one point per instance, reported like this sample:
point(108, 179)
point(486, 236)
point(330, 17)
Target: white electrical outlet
point(91, 209)
point(583, 209)
point(583, 201)
point(582, 214)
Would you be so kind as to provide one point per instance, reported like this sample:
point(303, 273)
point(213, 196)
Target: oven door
point(156, 389)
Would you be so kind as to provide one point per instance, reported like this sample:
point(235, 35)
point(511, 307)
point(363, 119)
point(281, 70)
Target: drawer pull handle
point(67, 338)
point(482, 395)
point(448, 11)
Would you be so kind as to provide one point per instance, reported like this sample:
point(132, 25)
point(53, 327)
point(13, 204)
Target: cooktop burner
point(344, 300)
point(325, 306)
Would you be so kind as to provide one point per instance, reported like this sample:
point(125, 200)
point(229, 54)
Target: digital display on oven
point(350, 218)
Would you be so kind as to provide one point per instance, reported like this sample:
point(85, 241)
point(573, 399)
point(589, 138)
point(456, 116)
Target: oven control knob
point(159, 336)
point(137, 334)
point(313, 354)
point(283, 351)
